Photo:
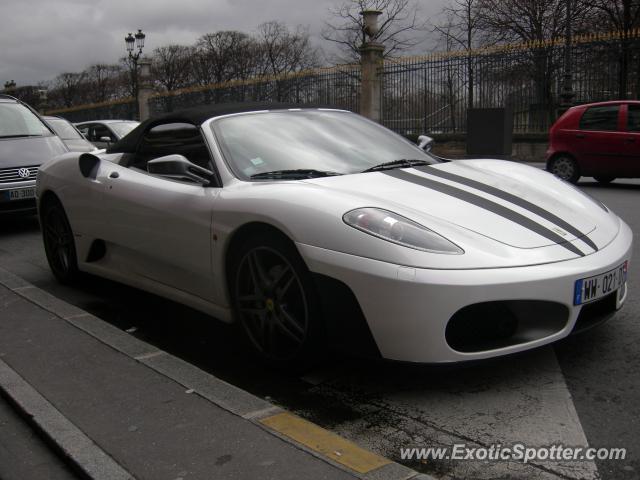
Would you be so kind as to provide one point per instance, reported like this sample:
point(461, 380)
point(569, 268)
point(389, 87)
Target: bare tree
point(129, 78)
point(540, 22)
point(281, 50)
point(223, 56)
point(461, 30)
point(101, 81)
point(622, 16)
point(68, 87)
point(528, 21)
point(274, 50)
point(170, 66)
point(400, 26)
point(619, 15)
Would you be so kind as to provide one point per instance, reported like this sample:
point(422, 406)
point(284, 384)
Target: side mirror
point(178, 167)
point(425, 143)
point(105, 139)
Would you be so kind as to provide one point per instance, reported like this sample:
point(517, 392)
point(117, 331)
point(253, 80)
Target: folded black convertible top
point(196, 116)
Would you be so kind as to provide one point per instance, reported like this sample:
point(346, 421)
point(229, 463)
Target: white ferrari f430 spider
point(315, 226)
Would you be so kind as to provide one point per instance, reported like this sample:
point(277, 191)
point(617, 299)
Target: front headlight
point(400, 230)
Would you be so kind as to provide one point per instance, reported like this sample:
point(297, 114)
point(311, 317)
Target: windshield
point(322, 140)
point(18, 121)
point(122, 128)
point(64, 129)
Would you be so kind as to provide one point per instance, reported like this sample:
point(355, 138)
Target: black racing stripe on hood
point(488, 205)
point(521, 202)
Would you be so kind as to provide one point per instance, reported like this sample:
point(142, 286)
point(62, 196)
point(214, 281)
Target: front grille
point(13, 174)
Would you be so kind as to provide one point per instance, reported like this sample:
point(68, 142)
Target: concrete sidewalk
point(23, 454)
point(116, 408)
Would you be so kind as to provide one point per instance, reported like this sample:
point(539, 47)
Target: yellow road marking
point(324, 442)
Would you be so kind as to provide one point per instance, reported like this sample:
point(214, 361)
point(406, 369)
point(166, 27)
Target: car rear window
point(633, 123)
point(64, 129)
point(603, 118)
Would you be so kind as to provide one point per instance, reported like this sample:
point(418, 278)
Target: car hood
point(79, 145)
point(517, 205)
point(29, 151)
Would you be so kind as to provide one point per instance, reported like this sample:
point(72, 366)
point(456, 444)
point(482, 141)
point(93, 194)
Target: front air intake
point(492, 325)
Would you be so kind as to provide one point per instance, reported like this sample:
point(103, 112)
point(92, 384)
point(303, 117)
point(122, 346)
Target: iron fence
point(123, 109)
point(336, 86)
point(433, 93)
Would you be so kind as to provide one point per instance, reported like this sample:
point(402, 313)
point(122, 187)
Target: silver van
point(26, 142)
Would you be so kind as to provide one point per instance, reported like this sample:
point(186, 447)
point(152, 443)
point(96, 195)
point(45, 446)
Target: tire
point(565, 167)
point(59, 244)
point(275, 302)
point(604, 179)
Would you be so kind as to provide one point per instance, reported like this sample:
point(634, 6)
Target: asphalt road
point(530, 398)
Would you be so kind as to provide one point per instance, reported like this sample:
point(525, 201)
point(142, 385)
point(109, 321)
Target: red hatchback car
point(600, 140)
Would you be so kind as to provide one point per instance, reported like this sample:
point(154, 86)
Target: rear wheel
point(59, 244)
point(275, 301)
point(565, 167)
point(604, 179)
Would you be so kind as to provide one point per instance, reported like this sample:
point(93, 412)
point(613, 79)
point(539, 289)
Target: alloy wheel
point(58, 240)
point(271, 302)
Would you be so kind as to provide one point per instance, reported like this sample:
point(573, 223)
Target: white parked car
point(312, 226)
point(104, 133)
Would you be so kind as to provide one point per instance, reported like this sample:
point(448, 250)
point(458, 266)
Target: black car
point(26, 142)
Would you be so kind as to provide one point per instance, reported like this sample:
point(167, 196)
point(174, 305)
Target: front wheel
point(565, 167)
point(59, 244)
point(275, 302)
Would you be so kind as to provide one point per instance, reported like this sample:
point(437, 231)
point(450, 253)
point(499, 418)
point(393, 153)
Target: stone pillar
point(145, 88)
point(371, 58)
point(43, 101)
point(371, 55)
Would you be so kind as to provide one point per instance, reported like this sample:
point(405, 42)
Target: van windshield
point(18, 121)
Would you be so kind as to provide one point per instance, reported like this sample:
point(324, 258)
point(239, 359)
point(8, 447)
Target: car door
point(98, 135)
point(598, 140)
point(632, 140)
point(160, 229)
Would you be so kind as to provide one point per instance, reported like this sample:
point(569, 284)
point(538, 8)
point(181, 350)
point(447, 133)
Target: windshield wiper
point(400, 163)
point(296, 174)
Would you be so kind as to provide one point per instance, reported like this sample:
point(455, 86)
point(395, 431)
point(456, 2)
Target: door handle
point(580, 135)
point(631, 140)
point(114, 175)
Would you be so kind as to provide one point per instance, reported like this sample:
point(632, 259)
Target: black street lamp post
point(135, 42)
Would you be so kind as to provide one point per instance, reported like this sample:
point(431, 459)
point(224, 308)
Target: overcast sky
point(42, 38)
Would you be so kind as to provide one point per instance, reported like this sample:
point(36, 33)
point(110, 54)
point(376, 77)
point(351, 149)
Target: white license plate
point(19, 194)
point(593, 288)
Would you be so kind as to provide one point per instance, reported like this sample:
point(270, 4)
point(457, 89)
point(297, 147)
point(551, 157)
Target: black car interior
point(172, 138)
